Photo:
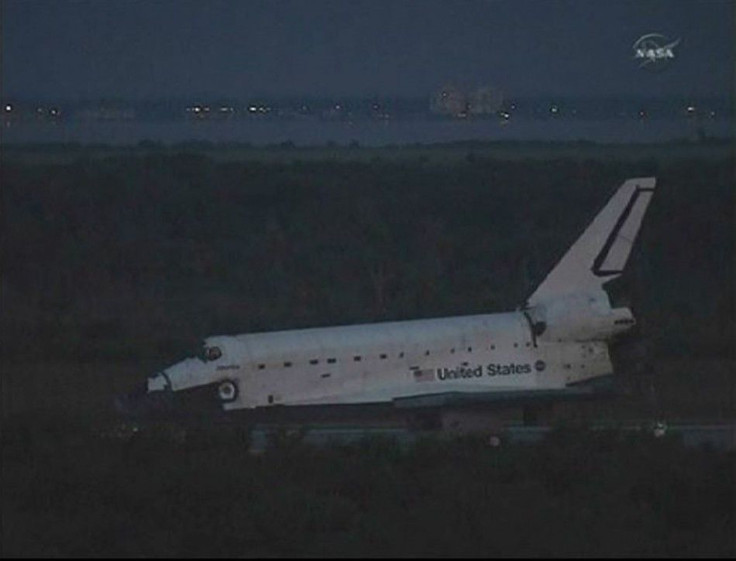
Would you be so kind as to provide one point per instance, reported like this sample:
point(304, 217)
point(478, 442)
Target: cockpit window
point(210, 353)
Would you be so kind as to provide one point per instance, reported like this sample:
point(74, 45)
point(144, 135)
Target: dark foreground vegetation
point(66, 493)
point(117, 265)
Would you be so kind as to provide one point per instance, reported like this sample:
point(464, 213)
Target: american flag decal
point(423, 375)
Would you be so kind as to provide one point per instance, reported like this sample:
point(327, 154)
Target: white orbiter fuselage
point(557, 342)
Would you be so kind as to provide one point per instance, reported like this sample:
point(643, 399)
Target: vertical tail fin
point(600, 253)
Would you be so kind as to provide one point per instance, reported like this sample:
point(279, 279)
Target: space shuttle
point(554, 346)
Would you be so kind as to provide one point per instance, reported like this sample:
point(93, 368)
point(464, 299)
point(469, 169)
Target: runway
point(717, 436)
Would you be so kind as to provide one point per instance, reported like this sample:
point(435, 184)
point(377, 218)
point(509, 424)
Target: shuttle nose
point(159, 382)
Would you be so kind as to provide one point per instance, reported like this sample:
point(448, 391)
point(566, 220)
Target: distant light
point(8, 108)
point(197, 109)
point(494, 441)
point(252, 108)
point(660, 429)
point(554, 109)
point(690, 108)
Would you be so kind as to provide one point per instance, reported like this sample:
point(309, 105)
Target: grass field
point(71, 491)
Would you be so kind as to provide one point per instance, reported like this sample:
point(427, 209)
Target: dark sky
point(161, 48)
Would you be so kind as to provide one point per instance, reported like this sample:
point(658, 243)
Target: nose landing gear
point(227, 391)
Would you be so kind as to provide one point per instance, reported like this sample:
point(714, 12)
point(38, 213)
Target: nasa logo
point(539, 365)
point(654, 52)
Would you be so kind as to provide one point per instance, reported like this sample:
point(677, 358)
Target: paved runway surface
point(717, 436)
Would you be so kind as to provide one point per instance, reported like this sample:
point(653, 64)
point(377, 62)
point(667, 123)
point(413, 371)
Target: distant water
point(311, 132)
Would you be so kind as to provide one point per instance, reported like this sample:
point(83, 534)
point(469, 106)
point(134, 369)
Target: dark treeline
point(127, 257)
point(577, 493)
